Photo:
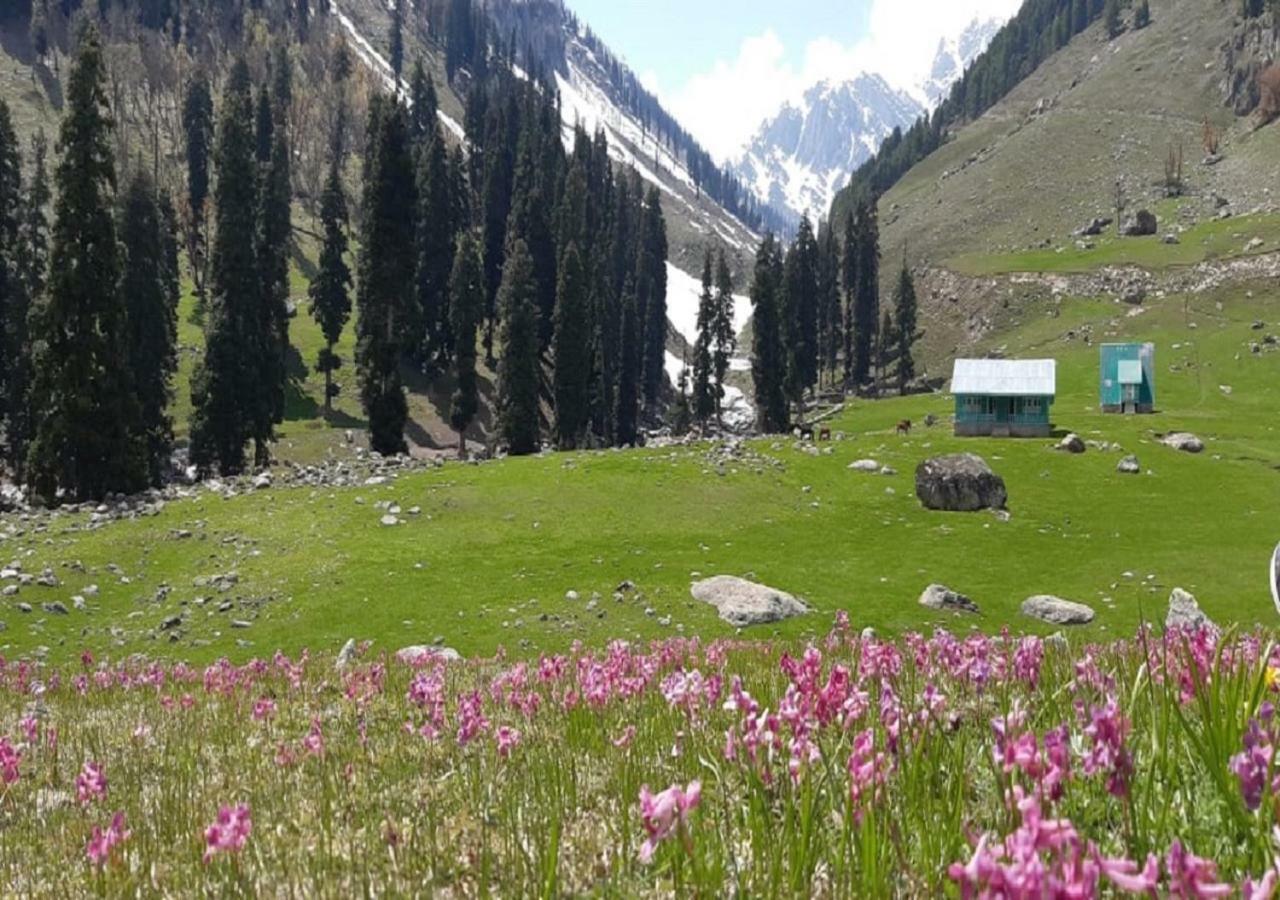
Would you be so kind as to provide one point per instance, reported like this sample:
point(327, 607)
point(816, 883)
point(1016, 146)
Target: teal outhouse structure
point(1127, 383)
point(1004, 397)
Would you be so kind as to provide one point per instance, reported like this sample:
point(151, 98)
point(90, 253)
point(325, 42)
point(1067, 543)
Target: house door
point(1130, 401)
point(1004, 410)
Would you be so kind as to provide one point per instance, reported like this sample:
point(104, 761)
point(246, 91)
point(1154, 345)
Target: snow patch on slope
point(684, 294)
point(378, 65)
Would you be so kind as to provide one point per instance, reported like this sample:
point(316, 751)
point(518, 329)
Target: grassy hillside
point(1111, 110)
point(489, 558)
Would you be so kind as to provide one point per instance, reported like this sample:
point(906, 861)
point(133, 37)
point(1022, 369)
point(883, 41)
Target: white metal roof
point(1006, 377)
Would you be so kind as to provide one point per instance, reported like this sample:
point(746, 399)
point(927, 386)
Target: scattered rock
point(388, 520)
point(57, 608)
point(347, 655)
point(262, 481)
point(1129, 466)
point(865, 465)
point(419, 654)
point(959, 483)
point(1057, 611)
point(1072, 443)
point(170, 623)
point(742, 603)
point(1141, 224)
point(943, 599)
point(240, 623)
point(1094, 228)
point(1181, 440)
point(1254, 244)
point(1185, 612)
point(1170, 238)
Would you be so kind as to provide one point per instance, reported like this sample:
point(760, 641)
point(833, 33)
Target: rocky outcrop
point(1141, 224)
point(742, 603)
point(1184, 441)
point(1072, 443)
point(959, 483)
point(1129, 466)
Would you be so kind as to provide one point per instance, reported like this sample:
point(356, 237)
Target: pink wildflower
point(229, 832)
point(264, 710)
point(623, 741)
point(663, 813)
point(508, 738)
point(10, 756)
point(91, 783)
point(101, 843)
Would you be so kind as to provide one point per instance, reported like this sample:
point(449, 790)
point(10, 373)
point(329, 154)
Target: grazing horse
point(904, 427)
point(824, 434)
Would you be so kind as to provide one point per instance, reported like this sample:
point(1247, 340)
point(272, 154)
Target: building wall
point(1111, 392)
point(979, 416)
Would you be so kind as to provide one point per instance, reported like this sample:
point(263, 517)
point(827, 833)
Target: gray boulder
point(1275, 577)
point(1129, 466)
point(420, 653)
point(942, 599)
point(959, 483)
point(1142, 223)
point(742, 603)
point(1072, 443)
point(865, 465)
point(1056, 611)
point(1185, 612)
point(347, 655)
point(1181, 440)
point(1094, 228)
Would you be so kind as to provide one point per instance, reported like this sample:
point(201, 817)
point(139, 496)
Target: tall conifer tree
point(150, 292)
point(85, 441)
point(651, 290)
point(385, 289)
point(571, 351)
point(13, 287)
point(725, 339)
point(466, 305)
point(226, 378)
point(627, 416)
point(518, 374)
point(768, 356)
point(904, 303)
point(330, 290)
point(705, 400)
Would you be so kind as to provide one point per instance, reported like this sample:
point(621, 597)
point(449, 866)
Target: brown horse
point(904, 427)
point(824, 434)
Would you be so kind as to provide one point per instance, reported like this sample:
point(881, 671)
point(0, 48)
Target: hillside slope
point(1009, 191)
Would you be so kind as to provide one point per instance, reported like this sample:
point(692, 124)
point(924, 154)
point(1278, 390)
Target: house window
point(1031, 406)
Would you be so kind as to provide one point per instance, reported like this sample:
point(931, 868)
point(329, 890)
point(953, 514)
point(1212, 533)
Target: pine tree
point(725, 339)
point(571, 351)
point(768, 356)
point(385, 289)
point(13, 287)
point(330, 290)
point(34, 245)
point(651, 295)
point(85, 440)
point(396, 39)
point(197, 127)
point(271, 334)
point(800, 314)
point(904, 304)
point(226, 379)
point(151, 295)
point(518, 373)
point(704, 385)
point(626, 418)
point(430, 333)
point(830, 315)
point(849, 278)
point(866, 299)
point(466, 304)
point(423, 103)
point(885, 344)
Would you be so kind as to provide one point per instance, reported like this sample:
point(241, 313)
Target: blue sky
point(642, 30)
point(724, 66)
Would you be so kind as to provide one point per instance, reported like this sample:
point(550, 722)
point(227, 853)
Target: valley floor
point(495, 548)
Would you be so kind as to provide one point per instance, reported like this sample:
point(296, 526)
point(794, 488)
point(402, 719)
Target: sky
point(724, 66)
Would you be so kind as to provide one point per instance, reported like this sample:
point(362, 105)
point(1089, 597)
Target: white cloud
point(724, 106)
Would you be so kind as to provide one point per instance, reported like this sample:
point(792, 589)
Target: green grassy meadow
point(496, 547)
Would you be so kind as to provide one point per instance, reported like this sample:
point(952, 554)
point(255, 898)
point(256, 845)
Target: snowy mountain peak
point(807, 151)
point(954, 55)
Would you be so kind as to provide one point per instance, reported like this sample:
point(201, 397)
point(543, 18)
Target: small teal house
point(1004, 397)
point(1127, 383)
